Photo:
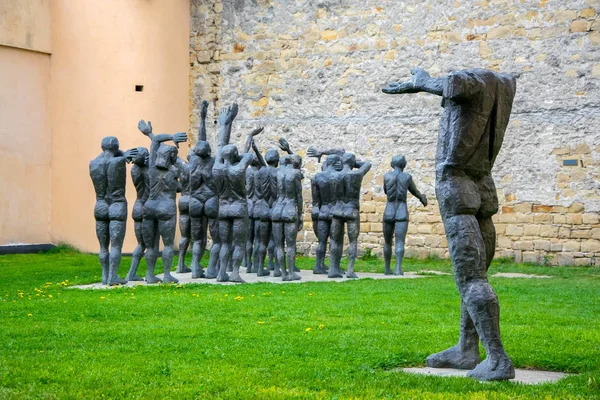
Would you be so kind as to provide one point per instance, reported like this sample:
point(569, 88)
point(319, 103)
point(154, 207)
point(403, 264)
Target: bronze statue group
point(247, 201)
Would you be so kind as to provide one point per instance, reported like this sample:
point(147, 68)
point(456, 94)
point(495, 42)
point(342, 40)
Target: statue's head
point(398, 162)
point(272, 157)
point(166, 156)
point(295, 160)
point(230, 153)
point(255, 162)
point(331, 161)
point(141, 159)
point(110, 143)
point(349, 160)
point(202, 149)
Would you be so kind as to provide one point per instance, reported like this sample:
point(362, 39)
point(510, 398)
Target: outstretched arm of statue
point(146, 128)
point(130, 154)
point(178, 137)
point(363, 167)
point(261, 159)
point(226, 117)
point(285, 146)
point(250, 138)
point(412, 188)
point(421, 82)
point(203, 113)
point(312, 152)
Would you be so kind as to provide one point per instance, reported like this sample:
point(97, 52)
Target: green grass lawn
point(313, 340)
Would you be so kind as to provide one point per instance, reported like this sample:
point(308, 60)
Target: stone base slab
point(307, 276)
point(524, 376)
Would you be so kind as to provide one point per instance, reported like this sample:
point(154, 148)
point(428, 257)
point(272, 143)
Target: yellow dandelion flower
point(238, 298)
point(30, 315)
point(382, 323)
point(226, 295)
point(261, 322)
point(321, 327)
point(49, 296)
point(282, 292)
point(308, 329)
point(102, 297)
point(311, 294)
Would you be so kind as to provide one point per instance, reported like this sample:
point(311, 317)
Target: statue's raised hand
point(131, 154)
point(257, 131)
point(204, 109)
point(312, 152)
point(227, 114)
point(179, 137)
point(145, 127)
point(284, 145)
point(420, 77)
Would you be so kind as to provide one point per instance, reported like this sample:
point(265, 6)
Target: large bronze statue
point(160, 210)
point(396, 185)
point(141, 182)
point(266, 194)
point(184, 213)
point(204, 204)
point(477, 105)
point(229, 173)
point(346, 184)
point(108, 172)
point(323, 200)
point(287, 212)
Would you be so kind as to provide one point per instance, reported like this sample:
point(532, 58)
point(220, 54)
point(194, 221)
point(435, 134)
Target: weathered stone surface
point(315, 70)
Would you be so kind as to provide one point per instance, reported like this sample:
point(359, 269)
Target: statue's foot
point(498, 370)
point(262, 272)
point(168, 278)
point(117, 281)
point(387, 272)
point(398, 272)
point(183, 269)
point(210, 275)
point(319, 271)
point(235, 277)
point(277, 273)
point(292, 276)
point(351, 275)
point(454, 357)
point(249, 270)
point(334, 274)
point(198, 274)
point(134, 278)
point(223, 278)
point(150, 279)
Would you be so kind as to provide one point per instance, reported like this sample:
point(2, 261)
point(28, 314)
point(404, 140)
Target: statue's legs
point(336, 244)
point(278, 237)
point(166, 229)
point(225, 235)
point(353, 231)
point(184, 242)
point(138, 253)
point(151, 238)
point(323, 228)
point(104, 241)
point(199, 233)
point(260, 251)
point(213, 263)
point(291, 234)
point(240, 230)
point(118, 223)
point(315, 225)
point(255, 244)
point(460, 200)
point(271, 264)
point(388, 238)
point(247, 261)
point(401, 229)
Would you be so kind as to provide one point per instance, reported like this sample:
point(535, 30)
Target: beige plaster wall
point(100, 51)
point(24, 147)
point(26, 24)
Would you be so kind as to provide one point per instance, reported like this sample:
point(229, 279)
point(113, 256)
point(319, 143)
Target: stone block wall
point(312, 72)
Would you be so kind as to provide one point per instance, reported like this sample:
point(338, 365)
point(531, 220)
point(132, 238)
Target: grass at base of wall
point(313, 340)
